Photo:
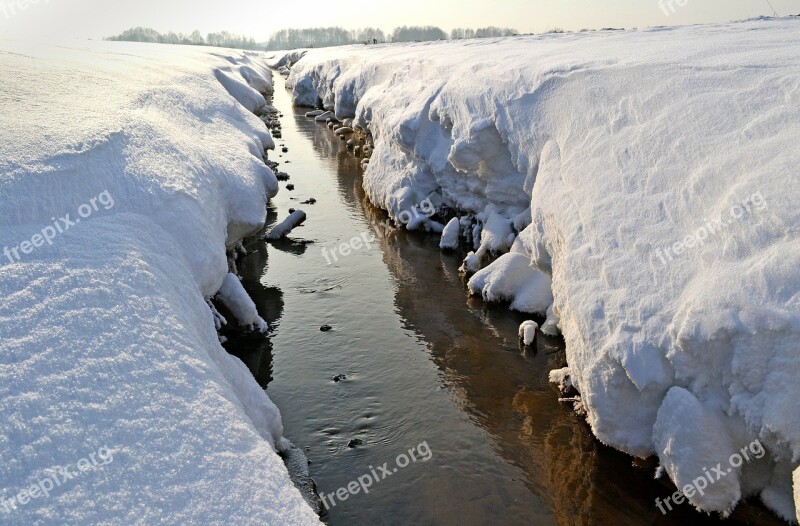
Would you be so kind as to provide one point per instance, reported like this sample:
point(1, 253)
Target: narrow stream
point(424, 364)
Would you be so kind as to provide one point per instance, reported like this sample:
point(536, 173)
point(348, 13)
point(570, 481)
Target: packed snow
point(652, 176)
point(126, 173)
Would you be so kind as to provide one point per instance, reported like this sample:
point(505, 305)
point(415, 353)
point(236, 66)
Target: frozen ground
point(125, 172)
point(652, 175)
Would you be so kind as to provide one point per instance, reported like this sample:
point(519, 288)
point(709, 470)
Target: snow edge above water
point(108, 343)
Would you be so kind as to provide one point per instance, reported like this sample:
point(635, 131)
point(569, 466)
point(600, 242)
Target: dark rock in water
point(290, 187)
point(326, 328)
point(355, 443)
point(287, 162)
point(309, 202)
point(339, 378)
point(291, 210)
point(282, 176)
point(285, 149)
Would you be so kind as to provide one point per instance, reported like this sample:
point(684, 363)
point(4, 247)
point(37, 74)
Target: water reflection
point(291, 245)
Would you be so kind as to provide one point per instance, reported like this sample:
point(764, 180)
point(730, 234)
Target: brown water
point(424, 364)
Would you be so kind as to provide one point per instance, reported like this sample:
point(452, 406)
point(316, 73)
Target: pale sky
point(70, 19)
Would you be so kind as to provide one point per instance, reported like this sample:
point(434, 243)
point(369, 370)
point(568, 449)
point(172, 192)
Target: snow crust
point(106, 339)
point(659, 167)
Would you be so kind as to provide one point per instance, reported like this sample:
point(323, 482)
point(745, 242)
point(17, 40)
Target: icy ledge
point(652, 175)
point(154, 160)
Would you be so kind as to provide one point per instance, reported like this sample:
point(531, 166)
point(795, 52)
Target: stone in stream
point(326, 328)
point(339, 378)
point(355, 443)
point(310, 201)
point(282, 176)
point(527, 332)
point(290, 187)
point(282, 229)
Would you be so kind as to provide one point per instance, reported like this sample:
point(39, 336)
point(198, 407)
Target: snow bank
point(659, 167)
point(126, 171)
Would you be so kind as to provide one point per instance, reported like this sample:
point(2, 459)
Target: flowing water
point(426, 367)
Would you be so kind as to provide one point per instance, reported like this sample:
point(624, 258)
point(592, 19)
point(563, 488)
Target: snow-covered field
point(126, 171)
point(652, 176)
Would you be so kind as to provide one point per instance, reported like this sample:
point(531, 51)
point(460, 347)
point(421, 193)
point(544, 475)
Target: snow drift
point(126, 171)
point(652, 175)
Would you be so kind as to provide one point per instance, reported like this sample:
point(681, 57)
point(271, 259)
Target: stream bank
point(411, 359)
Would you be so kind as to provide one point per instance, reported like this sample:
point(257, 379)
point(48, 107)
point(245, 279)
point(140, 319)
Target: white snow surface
point(622, 143)
point(106, 339)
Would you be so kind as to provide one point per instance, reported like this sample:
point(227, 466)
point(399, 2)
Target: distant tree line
point(418, 34)
point(311, 37)
point(484, 32)
point(323, 37)
point(221, 39)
